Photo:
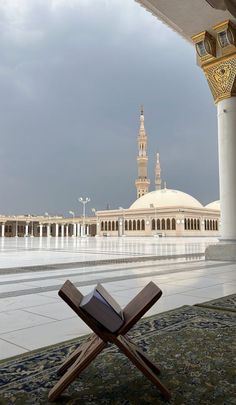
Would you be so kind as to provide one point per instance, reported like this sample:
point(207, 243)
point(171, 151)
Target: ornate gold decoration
point(226, 36)
point(205, 46)
point(221, 76)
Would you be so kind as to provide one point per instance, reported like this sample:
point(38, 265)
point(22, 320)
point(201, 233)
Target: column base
point(221, 251)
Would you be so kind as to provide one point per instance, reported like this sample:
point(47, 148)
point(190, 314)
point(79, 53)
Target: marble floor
point(33, 316)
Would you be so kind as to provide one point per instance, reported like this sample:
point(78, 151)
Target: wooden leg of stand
point(132, 354)
point(86, 356)
point(75, 354)
point(143, 356)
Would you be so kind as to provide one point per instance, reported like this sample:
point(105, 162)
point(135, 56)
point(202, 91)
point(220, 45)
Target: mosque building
point(163, 212)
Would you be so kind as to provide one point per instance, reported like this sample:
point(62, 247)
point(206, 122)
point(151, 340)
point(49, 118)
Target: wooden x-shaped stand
point(96, 342)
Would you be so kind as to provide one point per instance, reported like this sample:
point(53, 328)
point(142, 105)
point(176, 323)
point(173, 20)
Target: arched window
point(198, 224)
point(143, 225)
point(163, 224)
point(153, 225)
point(138, 225)
point(191, 223)
point(113, 225)
point(130, 225)
point(168, 224)
point(116, 225)
point(211, 225)
point(102, 226)
point(208, 225)
point(173, 224)
point(216, 225)
point(126, 225)
point(158, 224)
point(106, 226)
point(134, 225)
point(195, 224)
point(109, 226)
point(185, 223)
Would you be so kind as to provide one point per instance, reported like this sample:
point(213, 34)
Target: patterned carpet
point(193, 345)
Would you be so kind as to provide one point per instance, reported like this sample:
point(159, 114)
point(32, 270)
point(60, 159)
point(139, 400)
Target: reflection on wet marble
point(32, 315)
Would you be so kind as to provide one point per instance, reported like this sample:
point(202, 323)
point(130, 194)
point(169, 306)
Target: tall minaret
point(142, 182)
point(158, 173)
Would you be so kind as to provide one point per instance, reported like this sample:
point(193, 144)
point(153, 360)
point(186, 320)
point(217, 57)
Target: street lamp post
point(84, 202)
point(74, 224)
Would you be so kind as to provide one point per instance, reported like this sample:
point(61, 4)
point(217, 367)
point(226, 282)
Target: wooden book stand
point(96, 342)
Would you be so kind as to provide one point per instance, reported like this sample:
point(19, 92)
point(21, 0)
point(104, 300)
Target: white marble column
point(78, 230)
point(3, 230)
point(40, 230)
point(62, 230)
point(56, 230)
point(48, 230)
point(227, 166)
point(26, 229)
point(67, 230)
point(87, 230)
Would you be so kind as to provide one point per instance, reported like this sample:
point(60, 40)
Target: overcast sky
point(73, 74)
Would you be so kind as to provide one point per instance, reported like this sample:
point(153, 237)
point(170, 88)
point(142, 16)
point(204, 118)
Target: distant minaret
point(158, 173)
point(142, 182)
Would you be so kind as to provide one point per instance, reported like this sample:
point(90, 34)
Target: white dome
point(166, 198)
point(214, 205)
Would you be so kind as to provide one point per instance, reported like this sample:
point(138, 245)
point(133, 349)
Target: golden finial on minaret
point(158, 173)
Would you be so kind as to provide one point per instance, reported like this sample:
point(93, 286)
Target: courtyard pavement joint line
point(14, 270)
point(106, 271)
point(37, 290)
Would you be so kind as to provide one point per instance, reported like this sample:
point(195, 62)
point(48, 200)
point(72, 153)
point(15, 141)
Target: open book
point(103, 308)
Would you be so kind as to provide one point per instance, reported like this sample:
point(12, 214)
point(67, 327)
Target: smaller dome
point(214, 205)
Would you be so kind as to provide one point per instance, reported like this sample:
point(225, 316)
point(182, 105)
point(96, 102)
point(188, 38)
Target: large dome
point(214, 205)
point(166, 198)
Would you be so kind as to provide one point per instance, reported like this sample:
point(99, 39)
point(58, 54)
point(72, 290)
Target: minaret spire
point(158, 173)
point(142, 182)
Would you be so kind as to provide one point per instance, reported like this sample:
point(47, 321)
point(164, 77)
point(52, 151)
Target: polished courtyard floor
point(32, 270)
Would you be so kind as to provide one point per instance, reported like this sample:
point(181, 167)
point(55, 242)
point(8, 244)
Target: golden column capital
point(221, 77)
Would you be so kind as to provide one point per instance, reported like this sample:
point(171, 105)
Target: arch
point(210, 225)
point(168, 224)
point(217, 225)
point(113, 225)
point(158, 224)
point(153, 225)
point(189, 224)
point(138, 225)
point(109, 226)
point(126, 225)
point(102, 226)
point(134, 225)
point(185, 223)
point(105, 225)
point(195, 224)
point(130, 225)
point(163, 224)
point(143, 225)
point(173, 224)
point(116, 225)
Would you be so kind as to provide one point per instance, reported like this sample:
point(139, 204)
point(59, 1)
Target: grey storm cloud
point(72, 77)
